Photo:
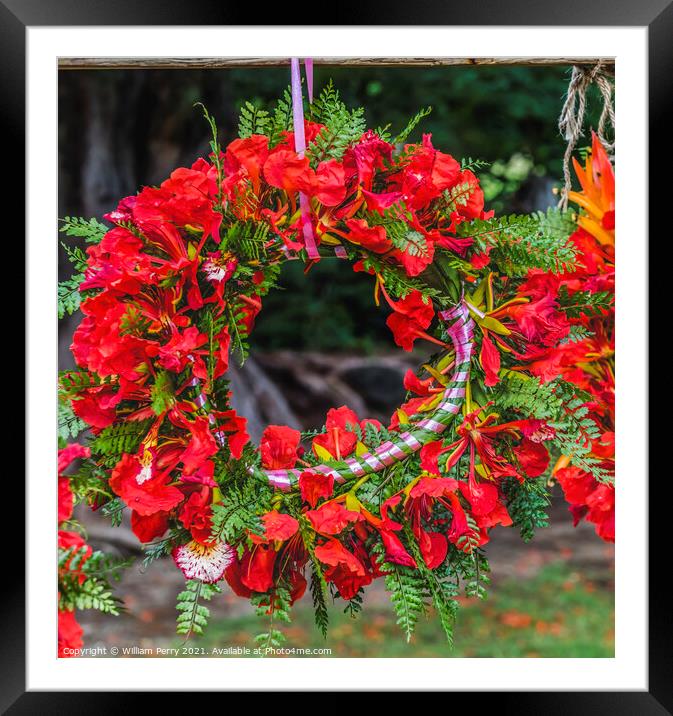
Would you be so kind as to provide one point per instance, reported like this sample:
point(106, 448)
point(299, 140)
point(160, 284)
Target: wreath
point(517, 393)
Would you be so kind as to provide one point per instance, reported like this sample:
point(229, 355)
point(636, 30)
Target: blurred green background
point(558, 613)
point(122, 129)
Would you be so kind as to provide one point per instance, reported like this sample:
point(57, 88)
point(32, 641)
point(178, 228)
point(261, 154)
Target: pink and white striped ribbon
point(300, 148)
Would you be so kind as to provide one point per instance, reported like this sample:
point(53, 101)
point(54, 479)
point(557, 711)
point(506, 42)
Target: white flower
point(204, 562)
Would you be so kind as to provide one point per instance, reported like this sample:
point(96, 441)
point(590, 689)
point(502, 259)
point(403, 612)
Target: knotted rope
point(572, 115)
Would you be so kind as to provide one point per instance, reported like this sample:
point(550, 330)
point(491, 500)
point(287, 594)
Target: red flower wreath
point(177, 282)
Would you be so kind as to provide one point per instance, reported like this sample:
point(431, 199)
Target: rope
point(572, 115)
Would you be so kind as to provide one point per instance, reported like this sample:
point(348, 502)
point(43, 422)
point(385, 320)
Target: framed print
point(347, 355)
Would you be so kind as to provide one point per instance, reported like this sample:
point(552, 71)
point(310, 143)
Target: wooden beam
point(215, 63)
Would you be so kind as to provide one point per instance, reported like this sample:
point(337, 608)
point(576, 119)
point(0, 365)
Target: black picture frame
point(657, 15)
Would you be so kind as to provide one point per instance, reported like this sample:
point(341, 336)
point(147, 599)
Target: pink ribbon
point(300, 147)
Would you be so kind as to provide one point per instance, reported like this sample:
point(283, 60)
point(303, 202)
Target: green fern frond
point(520, 243)
point(91, 230)
point(252, 120)
point(411, 125)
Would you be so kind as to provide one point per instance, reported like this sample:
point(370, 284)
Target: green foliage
point(408, 592)
point(282, 117)
point(342, 126)
point(319, 587)
point(156, 550)
point(354, 605)
point(133, 322)
point(90, 483)
point(319, 593)
point(585, 303)
point(279, 610)
point(68, 295)
point(114, 510)
point(473, 165)
point(69, 425)
point(95, 592)
point(72, 382)
point(456, 197)
point(214, 147)
point(253, 120)
point(577, 333)
point(473, 569)
point(247, 240)
point(398, 231)
point(441, 590)
point(527, 396)
point(77, 258)
point(519, 243)
point(576, 430)
point(527, 504)
point(411, 125)
point(238, 512)
point(91, 230)
point(563, 405)
point(162, 392)
point(238, 330)
point(119, 438)
point(193, 616)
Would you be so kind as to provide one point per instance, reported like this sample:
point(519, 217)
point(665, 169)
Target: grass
point(554, 614)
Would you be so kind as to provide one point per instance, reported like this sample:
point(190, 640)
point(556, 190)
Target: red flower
point(286, 170)
point(396, 552)
point(532, 456)
point(539, 321)
point(257, 565)
point(332, 518)
point(145, 494)
point(343, 568)
point(65, 457)
point(419, 503)
point(184, 199)
point(327, 184)
point(311, 131)
point(577, 485)
point(221, 355)
point(278, 527)
point(203, 476)
point(65, 502)
point(248, 154)
point(196, 515)
point(175, 354)
point(69, 634)
point(74, 541)
point(278, 447)
point(201, 445)
point(149, 527)
point(368, 155)
point(589, 498)
point(489, 357)
point(101, 345)
point(314, 486)
point(381, 202)
point(234, 426)
point(426, 174)
point(371, 238)
point(471, 204)
point(601, 504)
point(97, 406)
point(411, 316)
point(339, 441)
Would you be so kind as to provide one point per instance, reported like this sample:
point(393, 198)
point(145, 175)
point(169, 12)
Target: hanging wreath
point(170, 291)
